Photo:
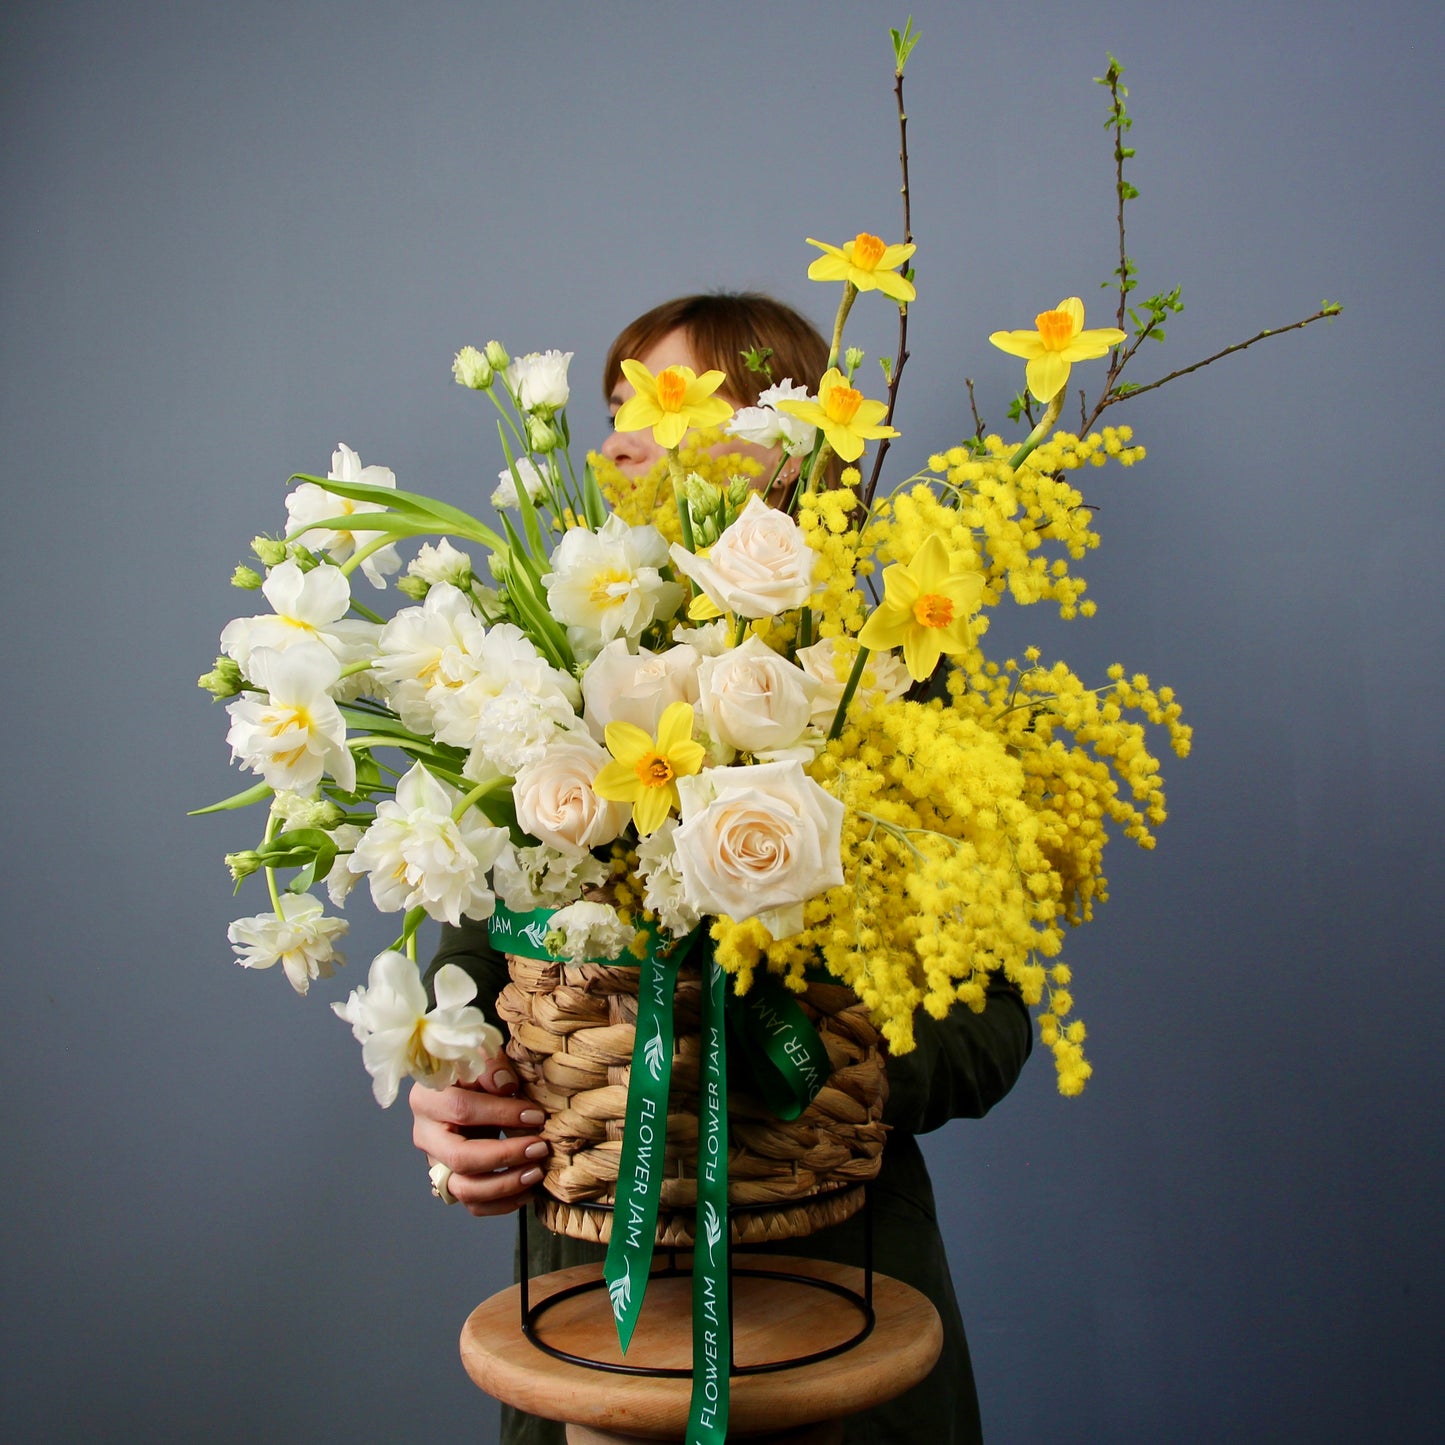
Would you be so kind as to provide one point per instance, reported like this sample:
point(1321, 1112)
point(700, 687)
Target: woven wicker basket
point(572, 1032)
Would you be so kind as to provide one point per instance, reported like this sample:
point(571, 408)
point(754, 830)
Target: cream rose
point(758, 841)
point(885, 678)
point(623, 686)
point(759, 567)
point(555, 802)
point(754, 700)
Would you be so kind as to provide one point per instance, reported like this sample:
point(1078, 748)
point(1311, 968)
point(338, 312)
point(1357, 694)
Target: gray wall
point(233, 234)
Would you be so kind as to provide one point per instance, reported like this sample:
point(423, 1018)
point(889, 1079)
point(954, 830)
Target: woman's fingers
point(471, 1107)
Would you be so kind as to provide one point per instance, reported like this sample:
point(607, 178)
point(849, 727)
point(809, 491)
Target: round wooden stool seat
point(773, 1319)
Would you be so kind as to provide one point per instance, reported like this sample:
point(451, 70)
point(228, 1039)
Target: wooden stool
point(773, 1319)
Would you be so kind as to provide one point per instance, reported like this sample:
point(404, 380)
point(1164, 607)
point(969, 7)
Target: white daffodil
point(309, 606)
point(400, 1036)
point(506, 492)
point(425, 649)
point(341, 880)
point(299, 938)
point(607, 584)
point(417, 855)
point(765, 426)
point(539, 380)
point(297, 735)
point(309, 504)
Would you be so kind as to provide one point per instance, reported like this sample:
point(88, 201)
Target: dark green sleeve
point(963, 1064)
point(469, 947)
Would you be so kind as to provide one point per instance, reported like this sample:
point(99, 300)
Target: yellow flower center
point(933, 610)
point(842, 404)
point(1056, 329)
point(867, 251)
point(601, 594)
point(419, 1059)
point(671, 388)
point(653, 770)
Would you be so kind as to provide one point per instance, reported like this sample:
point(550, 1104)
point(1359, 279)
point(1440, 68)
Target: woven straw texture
point(572, 1031)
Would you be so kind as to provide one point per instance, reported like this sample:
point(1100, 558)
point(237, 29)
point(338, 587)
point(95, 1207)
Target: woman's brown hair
point(720, 328)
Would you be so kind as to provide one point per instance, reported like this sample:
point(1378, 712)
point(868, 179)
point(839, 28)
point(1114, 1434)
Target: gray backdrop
point(233, 235)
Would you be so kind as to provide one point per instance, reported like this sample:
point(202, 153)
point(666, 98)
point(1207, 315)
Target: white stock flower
point(758, 841)
point(299, 938)
point(416, 855)
point(885, 677)
point(623, 686)
point(309, 606)
point(506, 492)
point(309, 504)
point(759, 567)
point(582, 932)
point(754, 700)
point(539, 380)
point(399, 1036)
point(555, 802)
point(664, 892)
point(543, 877)
point(297, 735)
point(765, 426)
point(441, 563)
point(606, 584)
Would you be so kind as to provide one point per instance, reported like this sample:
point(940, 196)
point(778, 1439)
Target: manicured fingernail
point(504, 1079)
point(531, 1116)
point(531, 1176)
point(536, 1151)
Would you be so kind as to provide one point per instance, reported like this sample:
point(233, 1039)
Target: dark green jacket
point(960, 1069)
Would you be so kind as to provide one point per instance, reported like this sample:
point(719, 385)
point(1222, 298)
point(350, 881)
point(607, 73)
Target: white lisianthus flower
point(765, 426)
point(416, 855)
point(441, 563)
point(584, 932)
point(399, 1035)
point(341, 880)
point(622, 686)
point(607, 584)
point(664, 891)
point(555, 802)
point(543, 877)
point(309, 504)
point(754, 700)
point(309, 606)
point(506, 492)
point(759, 567)
point(539, 380)
point(299, 938)
point(885, 678)
point(758, 842)
point(297, 735)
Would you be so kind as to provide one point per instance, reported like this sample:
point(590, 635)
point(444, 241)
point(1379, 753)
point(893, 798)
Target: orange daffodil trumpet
point(1059, 342)
point(645, 772)
point(867, 263)
point(671, 403)
point(926, 609)
point(847, 418)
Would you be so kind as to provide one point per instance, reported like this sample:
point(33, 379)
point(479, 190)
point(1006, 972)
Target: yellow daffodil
point(1059, 342)
point(867, 262)
point(645, 772)
point(925, 609)
point(847, 417)
point(672, 402)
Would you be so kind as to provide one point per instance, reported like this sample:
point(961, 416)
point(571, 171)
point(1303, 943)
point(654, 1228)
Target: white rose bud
point(759, 567)
point(555, 802)
point(754, 700)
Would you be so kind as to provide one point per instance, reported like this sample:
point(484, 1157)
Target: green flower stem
point(362, 553)
point(506, 417)
point(805, 629)
point(352, 668)
point(854, 678)
point(477, 793)
point(850, 294)
point(740, 631)
point(1046, 422)
point(271, 824)
point(684, 512)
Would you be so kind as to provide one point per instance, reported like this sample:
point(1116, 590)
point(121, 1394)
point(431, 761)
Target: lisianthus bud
point(702, 496)
point(303, 557)
point(472, 369)
point(853, 358)
point(224, 680)
point(243, 864)
point(247, 577)
point(497, 356)
point(739, 490)
point(414, 587)
point(541, 435)
point(271, 551)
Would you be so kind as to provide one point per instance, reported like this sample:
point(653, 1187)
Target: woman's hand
point(462, 1127)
